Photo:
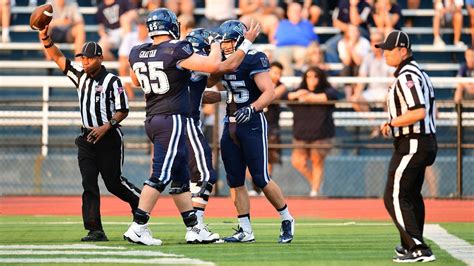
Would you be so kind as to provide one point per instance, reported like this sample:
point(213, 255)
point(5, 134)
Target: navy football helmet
point(233, 30)
point(163, 21)
point(199, 38)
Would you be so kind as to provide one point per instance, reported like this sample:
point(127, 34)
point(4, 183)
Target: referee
point(103, 105)
point(411, 108)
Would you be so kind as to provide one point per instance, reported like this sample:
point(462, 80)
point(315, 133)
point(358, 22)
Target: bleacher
point(25, 76)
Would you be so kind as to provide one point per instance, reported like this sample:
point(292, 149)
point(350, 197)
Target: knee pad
point(178, 187)
point(201, 191)
point(156, 184)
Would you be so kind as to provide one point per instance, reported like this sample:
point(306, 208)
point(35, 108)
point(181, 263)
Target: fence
point(38, 155)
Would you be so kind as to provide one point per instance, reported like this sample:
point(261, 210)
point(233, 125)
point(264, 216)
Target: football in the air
point(41, 17)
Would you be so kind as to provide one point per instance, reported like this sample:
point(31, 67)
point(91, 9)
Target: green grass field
point(317, 242)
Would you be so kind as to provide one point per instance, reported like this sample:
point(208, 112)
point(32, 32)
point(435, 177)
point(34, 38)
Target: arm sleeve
point(411, 90)
point(259, 63)
point(182, 51)
point(73, 71)
point(120, 97)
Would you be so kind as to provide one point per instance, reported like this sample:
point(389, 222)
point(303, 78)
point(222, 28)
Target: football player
point(162, 70)
point(203, 176)
point(244, 139)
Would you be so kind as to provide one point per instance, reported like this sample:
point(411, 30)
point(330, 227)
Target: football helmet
point(200, 39)
point(233, 30)
point(163, 21)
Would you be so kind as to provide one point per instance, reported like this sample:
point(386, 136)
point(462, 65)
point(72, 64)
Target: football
point(41, 17)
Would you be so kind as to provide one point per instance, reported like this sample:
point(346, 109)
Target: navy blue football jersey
point(165, 84)
point(197, 85)
point(240, 85)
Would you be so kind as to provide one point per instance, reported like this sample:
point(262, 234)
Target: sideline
point(455, 246)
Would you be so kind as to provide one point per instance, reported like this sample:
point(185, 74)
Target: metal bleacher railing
point(47, 116)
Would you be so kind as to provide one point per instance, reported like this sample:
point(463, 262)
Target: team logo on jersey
point(99, 88)
point(120, 90)
point(410, 84)
point(187, 49)
point(264, 61)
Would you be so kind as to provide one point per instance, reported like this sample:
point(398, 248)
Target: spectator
point(352, 49)
point(151, 5)
point(315, 57)
point(447, 11)
point(347, 12)
point(261, 11)
point(180, 7)
point(373, 65)
point(312, 124)
point(465, 91)
point(387, 16)
point(5, 13)
point(132, 39)
point(273, 116)
point(312, 10)
point(470, 11)
point(412, 4)
point(187, 24)
point(115, 19)
point(67, 25)
point(217, 12)
point(292, 38)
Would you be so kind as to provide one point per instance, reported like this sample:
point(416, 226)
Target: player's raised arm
point(52, 50)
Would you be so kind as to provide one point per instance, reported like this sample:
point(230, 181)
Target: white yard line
point(142, 253)
point(211, 223)
point(180, 261)
point(62, 251)
point(60, 247)
point(457, 247)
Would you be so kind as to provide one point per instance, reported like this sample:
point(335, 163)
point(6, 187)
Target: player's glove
point(244, 114)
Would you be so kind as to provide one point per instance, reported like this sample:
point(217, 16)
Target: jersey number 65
point(155, 81)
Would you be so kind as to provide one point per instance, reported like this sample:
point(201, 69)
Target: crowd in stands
point(289, 26)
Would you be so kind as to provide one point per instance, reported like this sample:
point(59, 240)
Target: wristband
point(245, 46)
point(49, 45)
point(223, 96)
point(45, 38)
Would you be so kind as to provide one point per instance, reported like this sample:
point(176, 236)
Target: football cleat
point(200, 234)
point(417, 255)
point(240, 236)
point(400, 250)
point(95, 235)
point(287, 231)
point(141, 234)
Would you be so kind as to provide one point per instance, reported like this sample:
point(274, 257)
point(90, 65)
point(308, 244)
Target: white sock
point(200, 216)
point(5, 30)
point(285, 214)
point(244, 222)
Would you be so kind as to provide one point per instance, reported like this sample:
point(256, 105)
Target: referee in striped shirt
point(411, 109)
point(103, 105)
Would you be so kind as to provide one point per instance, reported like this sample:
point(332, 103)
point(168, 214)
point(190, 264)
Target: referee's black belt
point(85, 131)
point(415, 136)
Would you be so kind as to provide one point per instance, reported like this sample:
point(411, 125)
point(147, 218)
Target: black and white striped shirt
point(99, 96)
point(411, 90)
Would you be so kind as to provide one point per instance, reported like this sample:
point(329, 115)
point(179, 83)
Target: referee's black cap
point(395, 39)
point(90, 49)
